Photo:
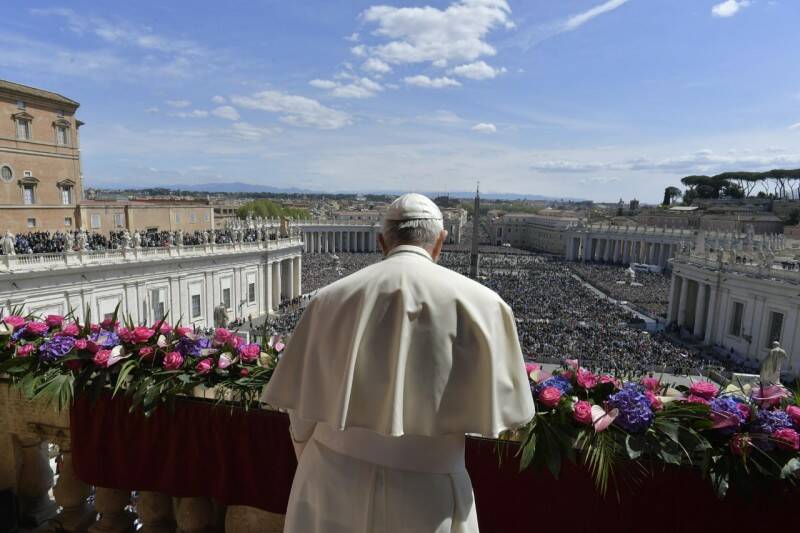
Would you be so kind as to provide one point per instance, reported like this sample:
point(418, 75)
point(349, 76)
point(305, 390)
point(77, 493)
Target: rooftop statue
point(772, 364)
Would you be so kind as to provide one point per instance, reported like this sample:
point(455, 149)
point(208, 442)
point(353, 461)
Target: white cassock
point(386, 372)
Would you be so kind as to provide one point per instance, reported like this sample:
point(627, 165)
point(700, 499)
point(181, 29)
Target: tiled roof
point(33, 91)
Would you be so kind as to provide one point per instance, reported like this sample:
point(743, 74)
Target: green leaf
point(790, 468)
point(635, 445)
point(127, 366)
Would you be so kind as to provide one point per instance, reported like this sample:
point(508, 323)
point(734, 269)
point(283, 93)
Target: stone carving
point(83, 240)
point(170, 239)
point(220, 316)
point(772, 364)
point(69, 242)
point(284, 228)
point(137, 239)
point(8, 244)
point(179, 237)
point(126, 239)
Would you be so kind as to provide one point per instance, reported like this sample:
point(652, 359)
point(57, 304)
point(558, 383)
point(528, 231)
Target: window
point(21, 105)
point(66, 195)
point(226, 298)
point(95, 221)
point(62, 135)
point(251, 292)
point(31, 222)
point(29, 194)
point(68, 221)
point(23, 128)
point(775, 327)
point(177, 218)
point(736, 319)
point(196, 306)
point(157, 305)
point(6, 173)
point(119, 219)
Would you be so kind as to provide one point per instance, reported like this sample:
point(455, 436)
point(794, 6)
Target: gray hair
point(419, 232)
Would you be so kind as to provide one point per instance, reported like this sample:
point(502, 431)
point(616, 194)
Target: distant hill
point(237, 186)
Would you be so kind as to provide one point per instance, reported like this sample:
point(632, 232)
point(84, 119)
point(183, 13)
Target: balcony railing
point(50, 261)
point(754, 270)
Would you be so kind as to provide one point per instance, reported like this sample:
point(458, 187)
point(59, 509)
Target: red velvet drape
point(246, 458)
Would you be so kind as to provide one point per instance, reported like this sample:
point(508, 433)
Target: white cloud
point(728, 8)
point(479, 70)
point(194, 113)
point(485, 127)
point(373, 64)
point(357, 88)
point(180, 104)
point(576, 21)
point(438, 36)
point(795, 126)
point(249, 132)
point(431, 83)
point(151, 110)
point(218, 99)
point(353, 37)
point(295, 110)
point(359, 50)
point(602, 180)
point(226, 112)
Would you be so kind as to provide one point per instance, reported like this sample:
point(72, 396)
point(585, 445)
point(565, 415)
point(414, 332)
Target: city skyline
point(587, 99)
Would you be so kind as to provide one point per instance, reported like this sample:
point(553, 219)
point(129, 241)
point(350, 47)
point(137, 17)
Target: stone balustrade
point(48, 262)
point(28, 433)
point(755, 270)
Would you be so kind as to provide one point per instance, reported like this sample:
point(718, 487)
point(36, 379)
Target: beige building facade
point(40, 168)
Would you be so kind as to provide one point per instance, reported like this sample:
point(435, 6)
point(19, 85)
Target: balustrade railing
point(750, 269)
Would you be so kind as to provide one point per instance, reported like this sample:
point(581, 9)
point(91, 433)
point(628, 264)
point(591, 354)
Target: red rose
point(550, 396)
point(583, 412)
point(704, 389)
point(54, 321)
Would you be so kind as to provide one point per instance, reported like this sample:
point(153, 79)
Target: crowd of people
point(648, 291)
point(320, 270)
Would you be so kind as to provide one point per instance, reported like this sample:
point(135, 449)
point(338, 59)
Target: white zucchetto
point(413, 206)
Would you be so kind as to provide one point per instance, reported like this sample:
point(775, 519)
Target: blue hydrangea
point(56, 348)
point(18, 333)
point(635, 413)
point(105, 339)
point(770, 421)
point(194, 348)
point(559, 382)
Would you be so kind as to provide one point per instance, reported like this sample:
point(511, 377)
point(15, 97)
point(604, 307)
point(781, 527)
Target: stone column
point(241, 519)
point(196, 515)
point(298, 278)
point(672, 308)
point(699, 309)
point(318, 238)
point(288, 278)
point(276, 284)
point(114, 518)
point(681, 319)
point(711, 315)
point(71, 495)
point(586, 242)
point(156, 512)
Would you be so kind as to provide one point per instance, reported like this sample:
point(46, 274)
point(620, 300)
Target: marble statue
point(69, 242)
point(126, 239)
point(179, 237)
point(203, 237)
point(137, 239)
point(772, 364)
point(83, 240)
point(170, 239)
point(220, 316)
point(284, 228)
point(8, 244)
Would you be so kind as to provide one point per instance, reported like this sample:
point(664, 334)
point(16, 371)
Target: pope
point(385, 374)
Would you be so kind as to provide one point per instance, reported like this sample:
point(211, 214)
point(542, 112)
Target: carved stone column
point(242, 519)
point(114, 518)
point(196, 515)
point(35, 480)
point(71, 495)
point(156, 512)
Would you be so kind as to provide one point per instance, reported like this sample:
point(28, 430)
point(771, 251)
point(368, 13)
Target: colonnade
point(339, 240)
point(284, 281)
point(621, 249)
point(692, 306)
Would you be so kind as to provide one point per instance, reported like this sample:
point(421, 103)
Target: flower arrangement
point(732, 435)
point(56, 358)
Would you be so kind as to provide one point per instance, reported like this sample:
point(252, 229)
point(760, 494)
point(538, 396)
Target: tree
point(270, 209)
point(670, 194)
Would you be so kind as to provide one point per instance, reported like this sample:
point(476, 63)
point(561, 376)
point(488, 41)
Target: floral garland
point(732, 435)
point(56, 358)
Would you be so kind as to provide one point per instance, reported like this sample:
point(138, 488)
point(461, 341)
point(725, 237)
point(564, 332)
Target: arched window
point(6, 174)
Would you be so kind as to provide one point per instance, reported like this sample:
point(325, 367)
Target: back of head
point(412, 219)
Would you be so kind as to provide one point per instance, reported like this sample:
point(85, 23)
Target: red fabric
point(246, 458)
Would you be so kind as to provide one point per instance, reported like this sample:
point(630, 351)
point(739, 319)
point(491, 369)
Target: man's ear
point(437, 248)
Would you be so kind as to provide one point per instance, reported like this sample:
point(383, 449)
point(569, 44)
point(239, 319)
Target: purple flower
point(770, 421)
point(725, 414)
point(193, 348)
point(18, 333)
point(56, 348)
point(105, 339)
point(635, 413)
point(558, 382)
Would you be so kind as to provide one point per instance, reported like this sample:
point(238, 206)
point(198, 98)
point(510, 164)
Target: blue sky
point(582, 98)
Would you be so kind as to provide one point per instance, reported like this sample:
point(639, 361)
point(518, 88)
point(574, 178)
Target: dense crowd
point(45, 242)
point(320, 270)
point(649, 290)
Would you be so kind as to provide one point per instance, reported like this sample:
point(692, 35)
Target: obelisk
point(474, 258)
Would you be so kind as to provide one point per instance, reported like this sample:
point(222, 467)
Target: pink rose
point(794, 413)
point(222, 335)
point(108, 325)
point(205, 366)
point(693, 398)
point(655, 402)
point(550, 396)
point(102, 357)
point(571, 363)
point(531, 367)
point(37, 328)
point(142, 334)
point(787, 438)
point(605, 378)
point(164, 329)
point(583, 412)
point(704, 389)
point(650, 383)
point(71, 330)
point(14, 321)
point(249, 352)
point(173, 361)
point(567, 374)
point(54, 321)
point(224, 361)
point(586, 379)
point(183, 331)
point(125, 334)
point(94, 328)
point(244, 372)
point(81, 344)
point(744, 411)
point(146, 352)
point(740, 444)
point(24, 350)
